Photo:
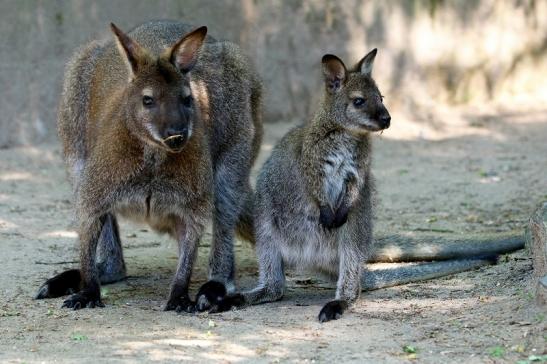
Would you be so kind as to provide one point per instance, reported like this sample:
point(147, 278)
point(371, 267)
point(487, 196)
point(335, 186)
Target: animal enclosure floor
point(476, 171)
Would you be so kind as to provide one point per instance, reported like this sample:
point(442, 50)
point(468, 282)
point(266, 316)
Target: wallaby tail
point(245, 225)
point(399, 248)
point(403, 273)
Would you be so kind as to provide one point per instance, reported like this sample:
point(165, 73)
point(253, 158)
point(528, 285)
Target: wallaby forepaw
point(209, 295)
point(341, 216)
point(180, 304)
point(326, 217)
point(62, 284)
point(332, 310)
point(83, 299)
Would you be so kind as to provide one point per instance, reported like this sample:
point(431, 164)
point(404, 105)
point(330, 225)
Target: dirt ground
point(458, 172)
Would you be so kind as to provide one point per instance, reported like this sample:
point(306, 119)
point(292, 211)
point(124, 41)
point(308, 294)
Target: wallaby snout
point(384, 119)
point(175, 138)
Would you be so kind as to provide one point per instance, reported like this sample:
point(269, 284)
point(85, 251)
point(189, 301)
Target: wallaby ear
point(185, 52)
point(131, 51)
point(334, 71)
point(365, 65)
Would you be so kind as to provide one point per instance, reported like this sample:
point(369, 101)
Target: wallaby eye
point(358, 101)
point(187, 101)
point(147, 100)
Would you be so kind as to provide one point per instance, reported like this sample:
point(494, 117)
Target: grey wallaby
point(314, 203)
point(161, 125)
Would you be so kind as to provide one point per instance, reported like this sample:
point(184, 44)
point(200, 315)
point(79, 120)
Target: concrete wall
point(431, 51)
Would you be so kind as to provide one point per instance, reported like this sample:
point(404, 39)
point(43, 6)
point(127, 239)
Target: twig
point(55, 263)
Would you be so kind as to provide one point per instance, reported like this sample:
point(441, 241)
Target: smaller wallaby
point(313, 200)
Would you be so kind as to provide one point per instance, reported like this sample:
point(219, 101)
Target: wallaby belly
point(152, 206)
point(305, 245)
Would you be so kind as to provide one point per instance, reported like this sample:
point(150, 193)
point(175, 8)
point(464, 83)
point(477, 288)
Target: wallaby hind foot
point(110, 265)
point(333, 310)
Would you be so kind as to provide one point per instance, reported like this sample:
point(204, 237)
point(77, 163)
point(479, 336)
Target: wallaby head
point(352, 95)
point(158, 102)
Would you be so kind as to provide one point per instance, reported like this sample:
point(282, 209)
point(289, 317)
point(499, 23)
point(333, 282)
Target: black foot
point(227, 303)
point(83, 299)
point(180, 304)
point(332, 310)
point(212, 296)
point(62, 284)
point(209, 295)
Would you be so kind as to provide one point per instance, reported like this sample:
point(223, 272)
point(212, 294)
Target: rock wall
point(430, 51)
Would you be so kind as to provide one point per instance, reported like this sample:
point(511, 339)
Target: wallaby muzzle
point(175, 142)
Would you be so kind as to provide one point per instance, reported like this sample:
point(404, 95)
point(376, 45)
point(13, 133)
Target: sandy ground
point(460, 172)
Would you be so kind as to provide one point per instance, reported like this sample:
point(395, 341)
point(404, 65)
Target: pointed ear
point(365, 65)
point(334, 71)
point(185, 52)
point(130, 50)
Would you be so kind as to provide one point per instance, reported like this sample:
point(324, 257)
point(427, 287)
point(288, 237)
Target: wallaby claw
point(82, 300)
point(180, 305)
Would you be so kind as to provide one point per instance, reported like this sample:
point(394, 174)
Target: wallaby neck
point(325, 123)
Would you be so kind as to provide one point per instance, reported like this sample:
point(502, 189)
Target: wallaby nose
point(176, 130)
point(385, 121)
point(175, 137)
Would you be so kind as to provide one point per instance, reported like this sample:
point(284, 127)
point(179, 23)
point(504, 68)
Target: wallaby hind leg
point(110, 265)
point(110, 262)
point(231, 190)
point(271, 282)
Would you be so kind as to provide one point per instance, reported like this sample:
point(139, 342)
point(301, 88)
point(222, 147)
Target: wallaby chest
point(340, 165)
point(157, 192)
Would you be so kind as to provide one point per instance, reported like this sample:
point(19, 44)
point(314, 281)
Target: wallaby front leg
point(188, 236)
point(90, 294)
point(348, 286)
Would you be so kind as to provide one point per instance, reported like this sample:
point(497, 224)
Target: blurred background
point(433, 54)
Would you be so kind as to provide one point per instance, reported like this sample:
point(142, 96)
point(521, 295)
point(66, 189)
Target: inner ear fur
point(184, 54)
point(334, 72)
point(366, 64)
point(132, 52)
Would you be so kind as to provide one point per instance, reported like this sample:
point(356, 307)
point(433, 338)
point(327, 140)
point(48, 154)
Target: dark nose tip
point(385, 121)
point(173, 131)
point(175, 137)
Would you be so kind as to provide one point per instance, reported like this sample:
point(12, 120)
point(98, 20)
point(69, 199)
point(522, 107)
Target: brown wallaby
point(313, 204)
point(161, 126)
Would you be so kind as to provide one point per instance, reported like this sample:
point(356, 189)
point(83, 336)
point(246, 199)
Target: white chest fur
point(340, 166)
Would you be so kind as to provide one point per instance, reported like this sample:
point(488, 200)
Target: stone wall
point(430, 51)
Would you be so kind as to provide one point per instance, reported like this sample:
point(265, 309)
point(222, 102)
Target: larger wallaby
point(162, 126)
point(314, 204)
